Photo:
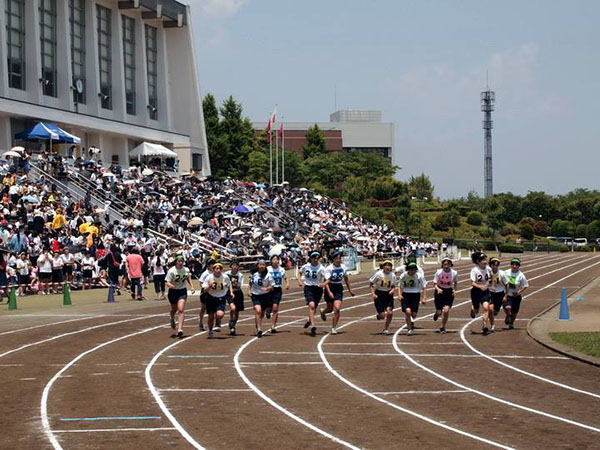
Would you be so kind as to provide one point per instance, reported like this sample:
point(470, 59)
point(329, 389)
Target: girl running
point(313, 280)
point(216, 286)
point(516, 283)
point(278, 274)
point(382, 285)
point(236, 303)
point(411, 290)
point(445, 282)
point(335, 274)
point(497, 283)
point(259, 290)
point(176, 280)
point(480, 292)
point(209, 268)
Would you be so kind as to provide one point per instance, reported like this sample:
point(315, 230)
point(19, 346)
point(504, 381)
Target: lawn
point(588, 343)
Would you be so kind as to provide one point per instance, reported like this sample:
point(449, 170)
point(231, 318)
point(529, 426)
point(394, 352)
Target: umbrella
point(147, 172)
point(18, 148)
point(237, 233)
point(243, 209)
point(261, 185)
point(362, 238)
point(11, 154)
point(276, 249)
point(30, 199)
point(108, 174)
point(94, 150)
point(196, 221)
point(129, 182)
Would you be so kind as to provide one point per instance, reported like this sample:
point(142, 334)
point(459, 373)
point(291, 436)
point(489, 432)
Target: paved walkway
point(585, 316)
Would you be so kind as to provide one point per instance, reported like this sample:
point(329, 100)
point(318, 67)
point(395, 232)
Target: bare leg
point(337, 306)
point(180, 315)
point(275, 314)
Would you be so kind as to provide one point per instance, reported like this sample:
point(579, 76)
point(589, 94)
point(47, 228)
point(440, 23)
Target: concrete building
point(114, 73)
point(347, 130)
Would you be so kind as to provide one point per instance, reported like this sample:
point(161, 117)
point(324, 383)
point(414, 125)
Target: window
point(77, 24)
point(48, 46)
point(197, 161)
point(15, 43)
point(103, 16)
point(128, 25)
point(152, 69)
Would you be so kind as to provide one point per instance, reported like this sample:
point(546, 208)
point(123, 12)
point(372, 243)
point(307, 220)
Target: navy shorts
point(263, 300)
point(446, 298)
point(338, 293)
point(87, 274)
point(514, 303)
point(313, 294)
point(478, 297)
point(214, 304)
point(384, 301)
point(497, 298)
point(276, 294)
point(410, 300)
point(68, 270)
point(175, 295)
point(57, 275)
point(203, 297)
point(238, 300)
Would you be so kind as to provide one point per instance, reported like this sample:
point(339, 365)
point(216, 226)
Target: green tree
point(258, 166)
point(493, 211)
point(315, 142)
point(512, 207)
point(217, 144)
point(593, 230)
point(420, 187)
point(453, 216)
point(475, 218)
point(293, 169)
point(541, 228)
point(581, 231)
point(356, 189)
point(541, 205)
point(526, 230)
point(240, 139)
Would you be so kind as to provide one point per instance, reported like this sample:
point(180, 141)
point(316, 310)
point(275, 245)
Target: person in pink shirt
point(134, 263)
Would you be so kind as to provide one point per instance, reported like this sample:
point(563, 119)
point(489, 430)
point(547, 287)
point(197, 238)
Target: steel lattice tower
point(488, 100)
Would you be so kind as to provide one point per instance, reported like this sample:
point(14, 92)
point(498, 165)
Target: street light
point(420, 201)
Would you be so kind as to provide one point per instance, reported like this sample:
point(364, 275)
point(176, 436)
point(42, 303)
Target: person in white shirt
point(382, 285)
point(68, 265)
point(23, 272)
point(158, 265)
point(217, 286)
point(481, 275)
point(313, 279)
point(259, 290)
point(44, 264)
point(335, 274)
point(57, 271)
point(279, 277)
point(497, 291)
point(209, 268)
point(411, 291)
point(445, 282)
point(516, 283)
point(176, 279)
point(236, 303)
point(87, 270)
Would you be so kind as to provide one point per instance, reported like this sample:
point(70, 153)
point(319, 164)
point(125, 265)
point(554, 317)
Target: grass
point(583, 342)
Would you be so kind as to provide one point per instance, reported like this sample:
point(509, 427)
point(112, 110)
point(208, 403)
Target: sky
point(423, 63)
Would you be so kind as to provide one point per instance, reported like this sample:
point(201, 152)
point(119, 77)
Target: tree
point(526, 230)
point(217, 145)
point(385, 187)
point(593, 230)
point(356, 189)
point(475, 218)
point(420, 187)
point(541, 228)
point(315, 142)
point(581, 231)
point(541, 205)
point(258, 166)
point(493, 210)
point(293, 169)
point(453, 216)
point(240, 139)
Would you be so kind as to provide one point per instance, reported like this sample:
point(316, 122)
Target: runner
point(278, 274)
point(480, 292)
point(176, 279)
point(335, 274)
point(259, 291)
point(497, 283)
point(411, 289)
point(236, 303)
point(402, 268)
point(445, 282)
point(382, 285)
point(313, 280)
point(217, 286)
point(516, 283)
point(209, 268)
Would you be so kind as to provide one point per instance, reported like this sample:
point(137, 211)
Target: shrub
point(584, 249)
point(508, 229)
point(440, 222)
point(511, 248)
point(541, 228)
point(475, 218)
point(581, 231)
point(563, 248)
point(485, 232)
point(526, 231)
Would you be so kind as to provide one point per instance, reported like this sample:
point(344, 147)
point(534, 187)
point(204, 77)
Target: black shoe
point(442, 330)
point(230, 324)
point(232, 331)
point(485, 331)
point(259, 333)
point(274, 331)
point(378, 316)
point(173, 323)
point(473, 313)
point(313, 331)
point(436, 316)
point(180, 335)
point(307, 324)
point(507, 320)
point(268, 313)
point(201, 326)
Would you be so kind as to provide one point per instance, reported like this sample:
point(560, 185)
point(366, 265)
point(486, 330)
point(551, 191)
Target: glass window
point(103, 16)
point(77, 24)
point(48, 46)
point(152, 70)
point(15, 43)
point(128, 25)
point(197, 161)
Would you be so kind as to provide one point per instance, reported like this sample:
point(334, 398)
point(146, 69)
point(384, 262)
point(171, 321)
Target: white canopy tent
point(148, 149)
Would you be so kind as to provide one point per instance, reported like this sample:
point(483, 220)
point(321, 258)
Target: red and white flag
point(269, 129)
point(281, 130)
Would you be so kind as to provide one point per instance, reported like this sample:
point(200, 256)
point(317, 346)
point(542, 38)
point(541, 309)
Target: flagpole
point(276, 153)
point(282, 153)
point(270, 157)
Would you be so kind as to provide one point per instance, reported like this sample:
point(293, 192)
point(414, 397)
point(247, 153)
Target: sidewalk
point(585, 316)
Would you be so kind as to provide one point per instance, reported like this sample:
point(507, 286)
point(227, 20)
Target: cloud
point(218, 8)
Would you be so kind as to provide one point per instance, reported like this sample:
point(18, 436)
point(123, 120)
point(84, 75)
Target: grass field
point(588, 343)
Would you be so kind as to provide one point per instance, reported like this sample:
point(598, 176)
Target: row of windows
point(15, 28)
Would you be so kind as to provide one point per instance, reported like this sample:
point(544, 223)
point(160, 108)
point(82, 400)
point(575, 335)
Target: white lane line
point(27, 379)
point(134, 371)
point(11, 365)
point(435, 355)
point(387, 344)
point(110, 364)
point(172, 370)
point(198, 356)
point(524, 372)
point(99, 374)
point(111, 430)
point(280, 363)
point(203, 390)
point(50, 324)
point(454, 391)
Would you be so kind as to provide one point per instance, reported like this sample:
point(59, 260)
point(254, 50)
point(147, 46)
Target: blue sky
point(423, 64)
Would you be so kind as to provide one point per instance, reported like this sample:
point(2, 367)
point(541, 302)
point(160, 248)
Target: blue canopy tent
point(46, 131)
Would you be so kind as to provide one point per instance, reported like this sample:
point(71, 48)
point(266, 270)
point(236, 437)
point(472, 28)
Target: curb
point(558, 348)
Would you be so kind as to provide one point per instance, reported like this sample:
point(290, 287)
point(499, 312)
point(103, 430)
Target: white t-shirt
point(445, 280)
point(412, 284)
point(57, 263)
point(87, 263)
point(68, 259)
point(383, 281)
point(514, 282)
point(312, 275)
point(401, 269)
point(178, 277)
point(481, 276)
point(23, 267)
point(44, 263)
point(217, 286)
point(335, 274)
point(278, 275)
point(257, 283)
point(498, 281)
point(158, 265)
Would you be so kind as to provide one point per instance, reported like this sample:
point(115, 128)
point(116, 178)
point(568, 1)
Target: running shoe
point(378, 316)
point(313, 331)
point(307, 324)
point(511, 326)
point(232, 331)
point(485, 331)
point(507, 320)
point(211, 334)
point(201, 326)
point(435, 316)
point(385, 331)
point(230, 324)
point(323, 316)
point(268, 313)
point(472, 313)
point(173, 322)
point(410, 332)
point(493, 329)
point(274, 331)
point(442, 330)
point(180, 335)
point(259, 333)
point(334, 331)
